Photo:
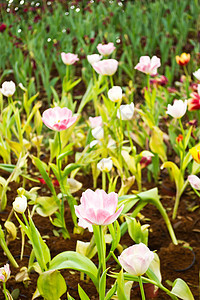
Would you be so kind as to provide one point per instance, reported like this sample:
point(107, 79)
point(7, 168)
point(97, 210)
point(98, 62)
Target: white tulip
point(20, 204)
point(115, 94)
point(178, 109)
point(8, 88)
point(105, 165)
point(197, 74)
point(98, 133)
point(125, 112)
point(93, 58)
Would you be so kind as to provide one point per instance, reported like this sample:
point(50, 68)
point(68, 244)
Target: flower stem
point(141, 288)
point(4, 290)
point(104, 181)
point(111, 81)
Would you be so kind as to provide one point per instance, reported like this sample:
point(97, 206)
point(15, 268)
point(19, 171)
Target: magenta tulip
point(136, 259)
point(69, 58)
point(106, 67)
point(147, 65)
point(98, 208)
point(58, 118)
point(106, 49)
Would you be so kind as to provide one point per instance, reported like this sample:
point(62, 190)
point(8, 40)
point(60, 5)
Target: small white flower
point(105, 165)
point(20, 204)
point(178, 109)
point(115, 94)
point(93, 58)
point(125, 112)
point(8, 88)
point(98, 133)
point(197, 74)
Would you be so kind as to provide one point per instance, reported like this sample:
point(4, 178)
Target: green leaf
point(51, 285)
point(69, 297)
point(82, 293)
point(111, 292)
point(121, 286)
point(181, 290)
point(75, 261)
point(156, 143)
point(102, 285)
point(69, 168)
point(46, 206)
point(176, 173)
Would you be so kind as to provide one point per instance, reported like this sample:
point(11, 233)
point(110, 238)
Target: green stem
point(6, 250)
point(4, 290)
point(111, 81)
point(176, 205)
point(187, 81)
point(104, 181)
point(183, 151)
point(141, 288)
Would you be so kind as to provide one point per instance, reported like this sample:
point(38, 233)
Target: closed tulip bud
point(8, 88)
point(178, 109)
point(98, 133)
point(195, 152)
point(20, 204)
point(197, 74)
point(136, 259)
point(125, 112)
point(194, 181)
point(106, 67)
point(93, 58)
point(106, 49)
point(96, 121)
point(69, 58)
point(5, 273)
point(105, 165)
point(115, 94)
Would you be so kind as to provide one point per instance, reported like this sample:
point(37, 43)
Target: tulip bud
point(115, 94)
point(197, 74)
point(98, 133)
point(106, 49)
point(194, 181)
point(5, 273)
point(93, 58)
point(69, 58)
point(125, 112)
point(20, 204)
point(95, 122)
point(178, 109)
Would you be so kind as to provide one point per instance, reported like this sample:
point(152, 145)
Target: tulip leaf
point(46, 206)
point(51, 285)
point(181, 290)
point(75, 261)
point(121, 286)
point(111, 292)
point(176, 173)
point(69, 168)
point(156, 143)
point(82, 293)
point(102, 285)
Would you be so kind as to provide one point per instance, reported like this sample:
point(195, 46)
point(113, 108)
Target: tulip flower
point(5, 273)
point(194, 102)
point(147, 65)
point(69, 58)
point(106, 67)
point(20, 204)
point(194, 181)
point(105, 165)
point(115, 94)
point(98, 208)
point(98, 133)
point(178, 109)
point(183, 59)
point(106, 49)
point(58, 118)
point(93, 58)
point(125, 112)
point(96, 121)
point(136, 259)
point(197, 74)
point(195, 152)
point(8, 88)
point(2, 27)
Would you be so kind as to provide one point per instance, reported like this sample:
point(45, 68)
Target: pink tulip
point(106, 49)
point(106, 67)
point(136, 259)
point(5, 273)
point(147, 65)
point(58, 118)
point(96, 121)
point(69, 58)
point(98, 208)
point(194, 181)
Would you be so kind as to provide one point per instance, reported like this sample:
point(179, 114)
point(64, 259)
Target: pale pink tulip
point(194, 181)
point(106, 67)
point(58, 118)
point(147, 65)
point(96, 121)
point(106, 49)
point(5, 273)
point(136, 259)
point(178, 109)
point(98, 208)
point(93, 58)
point(69, 58)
